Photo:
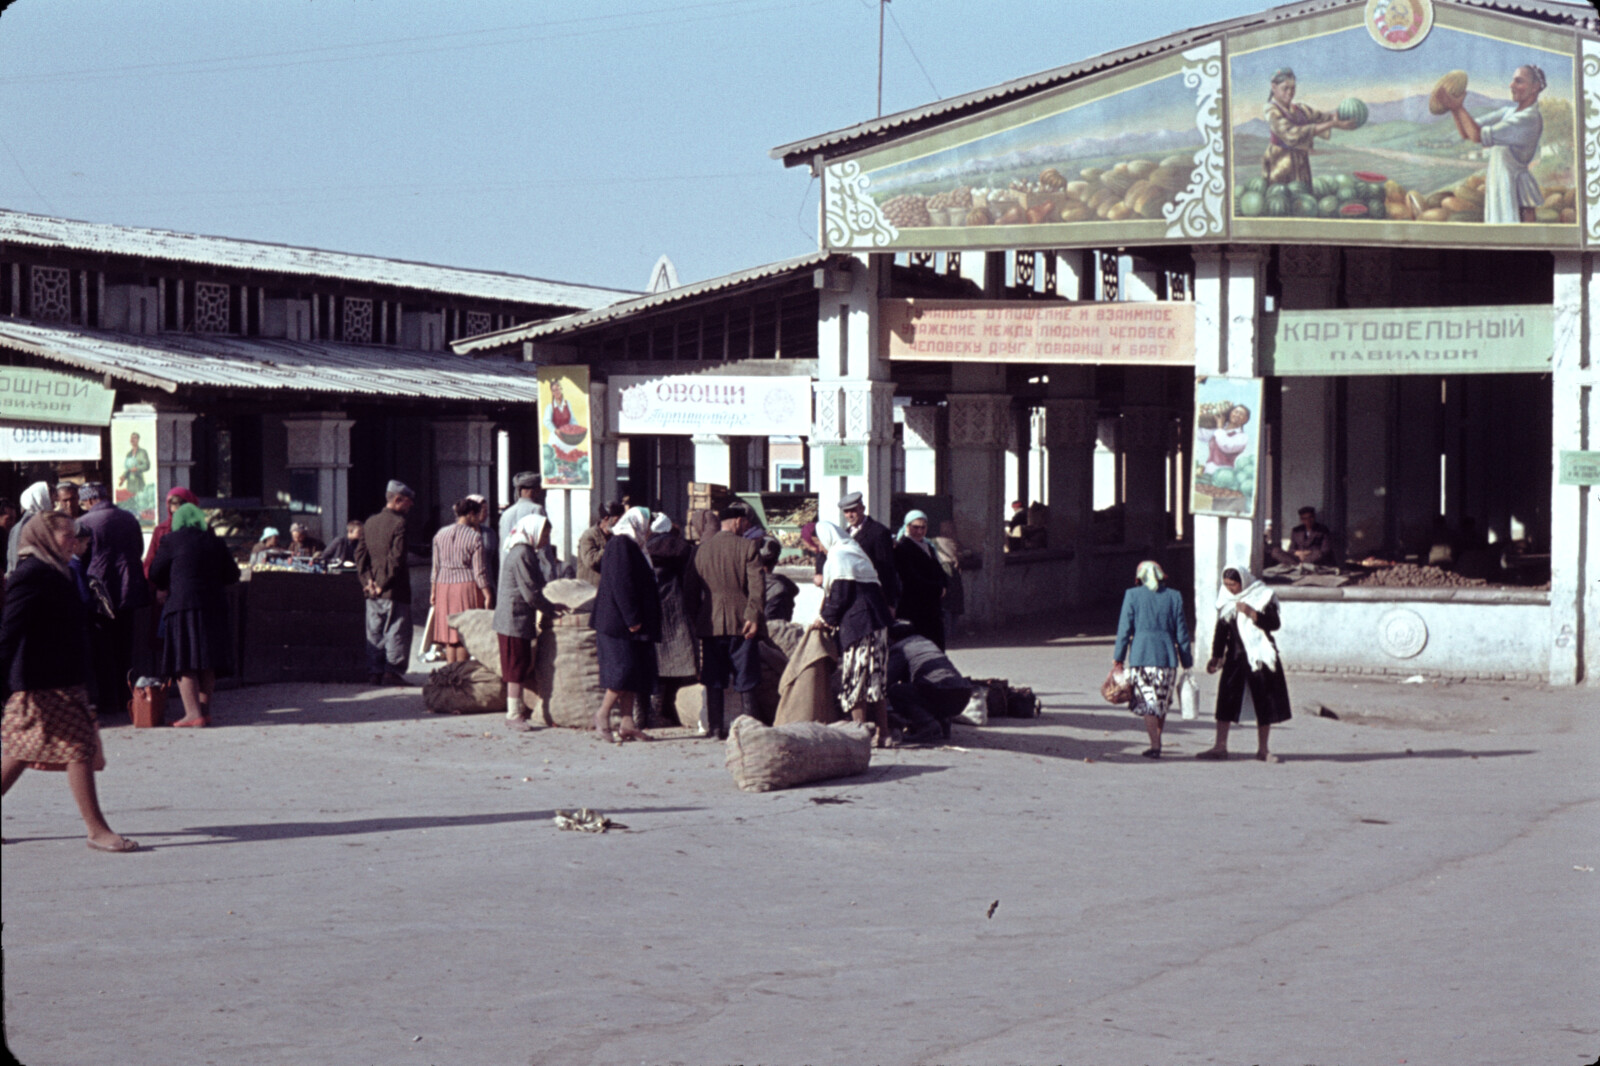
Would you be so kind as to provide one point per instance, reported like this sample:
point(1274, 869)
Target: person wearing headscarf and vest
point(48, 723)
point(1252, 672)
point(35, 501)
point(922, 579)
point(627, 624)
point(670, 557)
point(853, 605)
point(523, 576)
point(1152, 639)
point(194, 566)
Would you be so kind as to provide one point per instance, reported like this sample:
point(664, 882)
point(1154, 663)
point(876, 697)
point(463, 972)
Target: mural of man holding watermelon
point(1295, 129)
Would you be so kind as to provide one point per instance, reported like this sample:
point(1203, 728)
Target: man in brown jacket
point(728, 588)
point(386, 580)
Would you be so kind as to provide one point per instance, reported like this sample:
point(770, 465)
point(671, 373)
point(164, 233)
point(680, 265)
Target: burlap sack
point(463, 688)
point(478, 636)
point(763, 758)
point(569, 592)
point(567, 673)
point(690, 700)
point(786, 635)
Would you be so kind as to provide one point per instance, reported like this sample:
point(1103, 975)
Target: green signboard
point(1411, 340)
point(843, 460)
point(1580, 468)
point(29, 395)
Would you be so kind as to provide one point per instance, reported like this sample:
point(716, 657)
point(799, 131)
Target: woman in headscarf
point(48, 723)
point(1243, 649)
point(627, 623)
point(194, 566)
point(1152, 639)
point(460, 578)
point(35, 501)
point(523, 576)
point(922, 579)
point(676, 662)
point(175, 499)
point(853, 605)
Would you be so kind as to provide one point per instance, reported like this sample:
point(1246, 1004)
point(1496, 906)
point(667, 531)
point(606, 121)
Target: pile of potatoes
point(1464, 203)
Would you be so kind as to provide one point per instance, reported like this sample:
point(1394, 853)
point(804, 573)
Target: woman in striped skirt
point(460, 578)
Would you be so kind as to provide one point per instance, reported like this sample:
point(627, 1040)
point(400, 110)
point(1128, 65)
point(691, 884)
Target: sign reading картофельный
point(1157, 332)
point(31, 395)
point(1411, 340)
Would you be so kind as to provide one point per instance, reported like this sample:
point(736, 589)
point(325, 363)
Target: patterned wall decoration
point(478, 322)
point(1591, 138)
point(980, 421)
point(1070, 423)
point(211, 302)
point(49, 294)
point(357, 320)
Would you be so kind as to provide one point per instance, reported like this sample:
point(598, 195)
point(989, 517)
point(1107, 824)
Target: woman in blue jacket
point(1152, 639)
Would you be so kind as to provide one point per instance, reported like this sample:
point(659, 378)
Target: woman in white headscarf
point(1243, 649)
point(1152, 639)
point(922, 579)
point(35, 501)
point(676, 662)
point(853, 604)
point(523, 576)
point(627, 624)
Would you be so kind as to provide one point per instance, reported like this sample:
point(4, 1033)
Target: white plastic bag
point(977, 712)
point(1188, 696)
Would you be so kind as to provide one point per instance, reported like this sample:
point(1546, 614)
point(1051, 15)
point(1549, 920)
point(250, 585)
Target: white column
point(1591, 590)
point(713, 459)
point(979, 429)
point(853, 400)
point(464, 458)
point(1572, 507)
point(320, 441)
point(922, 440)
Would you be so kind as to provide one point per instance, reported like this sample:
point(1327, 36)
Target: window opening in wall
point(211, 307)
point(844, 340)
point(224, 467)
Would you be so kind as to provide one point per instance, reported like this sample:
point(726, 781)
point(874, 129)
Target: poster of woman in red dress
point(564, 426)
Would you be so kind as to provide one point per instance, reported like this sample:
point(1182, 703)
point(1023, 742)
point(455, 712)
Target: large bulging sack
point(576, 596)
point(786, 635)
point(478, 636)
point(463, 688)
point(567, 673)
point(762, 758)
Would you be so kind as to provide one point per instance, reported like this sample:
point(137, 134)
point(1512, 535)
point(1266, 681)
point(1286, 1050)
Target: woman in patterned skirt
point(853, 604)
point(460, 578)
point(1152, 639)
point(48, 723)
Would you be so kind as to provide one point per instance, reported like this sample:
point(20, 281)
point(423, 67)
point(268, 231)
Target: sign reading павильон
point(1412, 340)
point(30, 395)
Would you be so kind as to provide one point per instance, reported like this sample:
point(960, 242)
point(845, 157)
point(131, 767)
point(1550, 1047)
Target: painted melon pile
point(1365, 195)
point(1133, 189)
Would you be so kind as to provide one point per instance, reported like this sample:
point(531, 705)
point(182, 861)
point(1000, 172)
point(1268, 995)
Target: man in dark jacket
point(116, 560)
point(925, 688)
point(727, 591)
point(386, 580)
point(876, 540)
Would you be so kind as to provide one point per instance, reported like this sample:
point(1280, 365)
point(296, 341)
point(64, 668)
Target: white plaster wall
point(1472, 639)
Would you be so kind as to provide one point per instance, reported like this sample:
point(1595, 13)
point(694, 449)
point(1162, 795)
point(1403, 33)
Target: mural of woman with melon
point(1511, 137)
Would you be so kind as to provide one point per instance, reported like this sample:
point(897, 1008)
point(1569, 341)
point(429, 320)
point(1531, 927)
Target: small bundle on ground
point(763, 758)
point(463, 688)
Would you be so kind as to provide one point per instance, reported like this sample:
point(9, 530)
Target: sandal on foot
point(1264, 757)
point(191, 723)
point(1211, 755)
point(1151, 753)
point(123, 844)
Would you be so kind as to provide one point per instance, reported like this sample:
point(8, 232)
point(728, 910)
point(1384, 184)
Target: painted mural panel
point(1468, 134)
point(1134, 156)
point(1227, 439)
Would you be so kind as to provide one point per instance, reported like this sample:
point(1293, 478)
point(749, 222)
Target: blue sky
point(577, 142)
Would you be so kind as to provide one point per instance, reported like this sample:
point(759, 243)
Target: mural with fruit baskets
point(1227, 439)
point(1465, 139)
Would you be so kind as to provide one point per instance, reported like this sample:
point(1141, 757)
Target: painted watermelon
point(1251, 204)
point(1353, 110)
point(1223, 478)
point(1355, 210)
point(1278, 203)
point(1305, 205)
point(1371, 175)
point(1328, 206)
point(1377, 209)
point(1324, 186)
point(1256, 184)
point(1298, 188)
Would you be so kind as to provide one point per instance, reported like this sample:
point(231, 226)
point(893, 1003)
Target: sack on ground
point(688, 704)
point(478, 636)
point(762, 758)
point(1021, 702)
point(570, 691)
point(463, 688)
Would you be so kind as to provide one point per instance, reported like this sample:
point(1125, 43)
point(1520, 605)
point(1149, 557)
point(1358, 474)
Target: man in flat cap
point(527, 486)
point(727, 591)
point(876, 540)
point(386, 580)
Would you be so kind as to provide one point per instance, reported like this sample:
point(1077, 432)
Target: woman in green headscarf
point(1152, 639)
point(193, 566)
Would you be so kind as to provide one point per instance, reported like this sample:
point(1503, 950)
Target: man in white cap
point(876, 540)
point(386, 580)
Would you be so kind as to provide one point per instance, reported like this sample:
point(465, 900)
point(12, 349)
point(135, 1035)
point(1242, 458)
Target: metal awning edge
point(85, 363)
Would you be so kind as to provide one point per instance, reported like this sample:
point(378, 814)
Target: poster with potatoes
point(1407, 120)
point(1227, 440)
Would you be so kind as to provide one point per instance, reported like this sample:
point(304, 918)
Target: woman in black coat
point(48, 723)
point(922, 579)
point(1252, 671)
point(627, 624)
point(194, 567)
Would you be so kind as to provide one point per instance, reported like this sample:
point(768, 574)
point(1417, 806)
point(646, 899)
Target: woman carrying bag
point(1243, 649)
point(1152, 639)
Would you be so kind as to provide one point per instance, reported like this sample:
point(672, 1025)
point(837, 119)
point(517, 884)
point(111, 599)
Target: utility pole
point(882, 5)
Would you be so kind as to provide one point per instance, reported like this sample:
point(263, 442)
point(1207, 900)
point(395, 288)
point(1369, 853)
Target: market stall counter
point(302, 626)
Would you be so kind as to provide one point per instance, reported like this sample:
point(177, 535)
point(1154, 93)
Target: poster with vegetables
point(1133, 155)
point(1227, 440)
point(1460, 128)
point(564, 428)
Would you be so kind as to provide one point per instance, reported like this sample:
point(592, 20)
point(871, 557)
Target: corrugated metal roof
point(171, 361)
point(801, 153)
point(45, 232)
point(574, 323)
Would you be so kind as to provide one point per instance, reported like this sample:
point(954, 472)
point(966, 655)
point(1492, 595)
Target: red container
point(148, 708)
